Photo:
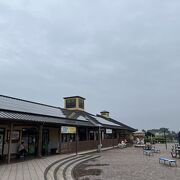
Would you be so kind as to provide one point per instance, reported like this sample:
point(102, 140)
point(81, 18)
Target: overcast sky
point(122, 56)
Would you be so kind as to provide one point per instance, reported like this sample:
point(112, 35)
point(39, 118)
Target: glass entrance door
point(29, 136)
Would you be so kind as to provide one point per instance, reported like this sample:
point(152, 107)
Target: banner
point(108, 131)
point(68, 130)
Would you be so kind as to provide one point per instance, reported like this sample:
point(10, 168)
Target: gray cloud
point(123, 56)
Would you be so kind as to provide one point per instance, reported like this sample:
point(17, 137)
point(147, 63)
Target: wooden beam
point(10, 141)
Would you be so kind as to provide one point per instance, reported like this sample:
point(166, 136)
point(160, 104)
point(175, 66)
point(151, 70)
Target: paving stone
point(123, 164)
point(131, 164)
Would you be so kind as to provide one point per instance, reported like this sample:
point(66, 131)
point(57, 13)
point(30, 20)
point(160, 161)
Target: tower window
point(81, 103)
point(71, 103)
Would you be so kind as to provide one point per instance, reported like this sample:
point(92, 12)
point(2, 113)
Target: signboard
point(108, 131)
point(68, 130)
point(15, 135)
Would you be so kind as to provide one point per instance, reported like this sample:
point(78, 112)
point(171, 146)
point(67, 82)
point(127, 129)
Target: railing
point(87, 145)
point(70, 147)
point(107, 143)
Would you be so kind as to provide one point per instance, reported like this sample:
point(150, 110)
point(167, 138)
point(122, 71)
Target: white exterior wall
point(53, 138)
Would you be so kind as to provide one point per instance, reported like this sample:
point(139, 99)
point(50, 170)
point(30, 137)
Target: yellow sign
point(68, 130)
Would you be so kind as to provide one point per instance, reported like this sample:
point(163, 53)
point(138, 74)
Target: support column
point(95, 136)
point(100, 140)
point(77, 139)
point(10, 140)
point(87, 134)
point(40, 140)
point(60, 140)
point(113, 131)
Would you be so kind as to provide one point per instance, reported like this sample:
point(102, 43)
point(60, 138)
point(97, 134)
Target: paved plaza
point(129, 164)
point(118, 164)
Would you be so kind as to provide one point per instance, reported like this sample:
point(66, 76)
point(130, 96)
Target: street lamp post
point(165, 139)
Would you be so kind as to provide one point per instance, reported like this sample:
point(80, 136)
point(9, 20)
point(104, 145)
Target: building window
point(82, 134)
point(68, 138)
point(71, 103)
point(15, 136)
point(115, 135)
point(108, 136)
point(81, 103)
point(91, 135)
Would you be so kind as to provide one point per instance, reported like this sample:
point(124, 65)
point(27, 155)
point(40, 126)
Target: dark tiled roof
point(19, 105)
point(18, 109)
point(81, 115)
point(104, 121)
point(96, 120)
point(74, 97)
point(119, 123)
point(104, 111)
point(16, 116)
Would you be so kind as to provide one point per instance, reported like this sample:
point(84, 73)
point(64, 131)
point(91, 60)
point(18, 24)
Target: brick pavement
point(131, 164)
point(123, 164)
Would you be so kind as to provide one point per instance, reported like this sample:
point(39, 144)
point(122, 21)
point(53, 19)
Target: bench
point(155, 150)
point(170, 161)
point(121, 146)
point(139, 145)
point(173, 154)
point(148, 152)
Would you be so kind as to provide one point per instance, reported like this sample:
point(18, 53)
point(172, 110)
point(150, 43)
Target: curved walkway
point(48, 168)
point(61, 169)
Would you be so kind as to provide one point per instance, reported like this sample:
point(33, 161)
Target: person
point(148, 146)
point(70, 139)
point(123, 143)
point(22, 150)
point(138, 141)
